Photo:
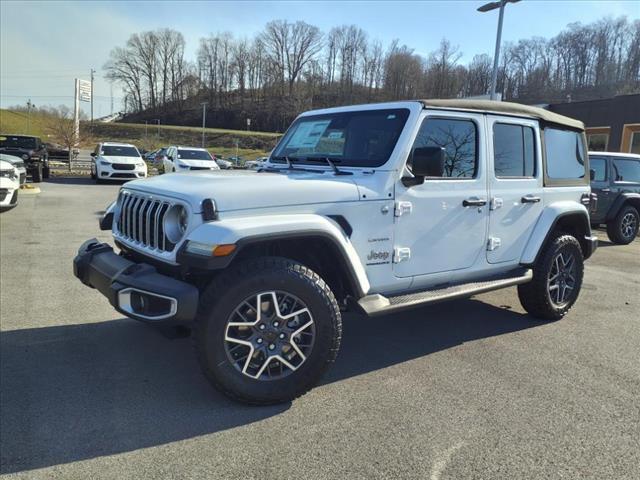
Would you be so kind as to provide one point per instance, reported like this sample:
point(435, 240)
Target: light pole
point(146, 124)
point(487, 7)
point(204, 119)
point(158, 132)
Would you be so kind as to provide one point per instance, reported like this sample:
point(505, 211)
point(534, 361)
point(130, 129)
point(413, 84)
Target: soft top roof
point(505, 108)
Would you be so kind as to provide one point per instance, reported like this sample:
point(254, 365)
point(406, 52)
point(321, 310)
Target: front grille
point(123, 175)
point(140, 220)
point(200, 168)
point(123, 166)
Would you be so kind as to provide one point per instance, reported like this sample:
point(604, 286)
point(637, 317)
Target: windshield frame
point(277, 157)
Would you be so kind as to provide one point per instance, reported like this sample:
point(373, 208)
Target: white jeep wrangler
point(372, 208)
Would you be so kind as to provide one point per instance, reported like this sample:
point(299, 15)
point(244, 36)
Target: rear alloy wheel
point(624, 228)
point(267, 330)
point(557, 279)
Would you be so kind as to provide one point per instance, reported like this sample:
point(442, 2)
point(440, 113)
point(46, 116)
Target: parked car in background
point(57, 152)
point(256, 164)
point(150, 156)
point(18, 164)
point(117, 161)
point(159, 157)
point(182, 159)
point(615, 179)
point(9, 185)
point(224, 164)
point(31, 150)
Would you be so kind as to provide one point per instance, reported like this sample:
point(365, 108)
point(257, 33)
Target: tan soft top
point(505, 108)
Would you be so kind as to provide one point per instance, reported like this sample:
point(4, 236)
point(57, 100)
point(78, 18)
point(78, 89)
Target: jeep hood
point(239, 190)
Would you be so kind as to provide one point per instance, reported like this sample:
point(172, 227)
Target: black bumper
point(136, 290)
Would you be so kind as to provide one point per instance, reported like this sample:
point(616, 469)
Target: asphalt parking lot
point(469, 389)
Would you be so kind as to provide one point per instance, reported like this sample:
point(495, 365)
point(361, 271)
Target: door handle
point(474, 202)
point(530, 199)
point(605, 190)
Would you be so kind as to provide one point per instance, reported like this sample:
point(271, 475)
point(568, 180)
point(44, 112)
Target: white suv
point(184, 159)
point(369, 208)
point(9, 185)
point(117, 161)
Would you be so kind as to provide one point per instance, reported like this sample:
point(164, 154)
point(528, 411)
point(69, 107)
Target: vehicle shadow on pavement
point(76, 392)
point(70, 180)
point(370, 344)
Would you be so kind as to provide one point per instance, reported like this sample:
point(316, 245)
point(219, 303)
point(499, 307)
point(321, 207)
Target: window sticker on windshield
point(308, 134)
point(335, 135)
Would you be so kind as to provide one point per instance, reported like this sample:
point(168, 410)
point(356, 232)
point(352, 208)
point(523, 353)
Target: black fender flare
point(623, 198)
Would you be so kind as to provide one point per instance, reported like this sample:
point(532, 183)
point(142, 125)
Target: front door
point(441, 224)
point(515, 186)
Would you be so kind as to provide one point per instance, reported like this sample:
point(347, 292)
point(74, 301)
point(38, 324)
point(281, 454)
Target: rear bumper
point(136, 290)
point(591, 246)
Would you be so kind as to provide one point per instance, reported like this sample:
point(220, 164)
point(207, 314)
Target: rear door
point(515, 186)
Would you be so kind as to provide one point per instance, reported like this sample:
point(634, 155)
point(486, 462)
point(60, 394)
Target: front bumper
point(121, 172)
point(136, 290)
point(591, 246)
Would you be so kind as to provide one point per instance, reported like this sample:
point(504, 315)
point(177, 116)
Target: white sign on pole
point(84, 90)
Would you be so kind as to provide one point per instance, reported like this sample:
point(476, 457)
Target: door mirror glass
point(428, 162)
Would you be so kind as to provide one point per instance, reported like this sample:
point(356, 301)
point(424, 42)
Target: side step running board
point(377, 304)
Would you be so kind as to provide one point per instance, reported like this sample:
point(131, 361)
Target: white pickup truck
point(370, 208)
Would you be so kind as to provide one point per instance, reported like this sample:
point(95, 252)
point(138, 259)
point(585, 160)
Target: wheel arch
point(623, 199)
point(313, 240)
point(569, 217)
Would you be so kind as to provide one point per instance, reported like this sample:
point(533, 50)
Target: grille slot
point(123, 166)
point(140, 221)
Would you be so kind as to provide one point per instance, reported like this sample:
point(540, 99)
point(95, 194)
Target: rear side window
point(513, 150)
point(599, 167)
point(458, 138)
point(565, 154)
point(626, 170)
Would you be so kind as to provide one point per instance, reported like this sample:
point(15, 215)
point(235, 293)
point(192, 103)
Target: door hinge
point(403, 208)
point(401, 254)
point(496, 203)
point(493, 243)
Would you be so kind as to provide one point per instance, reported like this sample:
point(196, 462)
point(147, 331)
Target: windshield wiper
point(289, 161)
point(331, 163)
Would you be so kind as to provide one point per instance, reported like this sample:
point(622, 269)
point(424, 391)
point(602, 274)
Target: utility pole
point(487, 7)
point(158, 132)
point(111, 84)
point(204, 120)
point(29, 106)
point(92, 72)
point(146, 124)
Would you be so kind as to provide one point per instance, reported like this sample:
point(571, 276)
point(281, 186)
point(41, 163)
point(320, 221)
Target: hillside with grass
point(226, 143)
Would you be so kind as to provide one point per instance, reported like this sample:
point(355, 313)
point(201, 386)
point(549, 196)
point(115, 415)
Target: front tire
point(267, 330)
point(624, 228)
point(36, 176)
point(557, 279)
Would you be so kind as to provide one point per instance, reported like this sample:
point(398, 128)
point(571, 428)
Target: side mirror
point(170, 157)
point(93, 154)
point(592, 174)
point(426, 162)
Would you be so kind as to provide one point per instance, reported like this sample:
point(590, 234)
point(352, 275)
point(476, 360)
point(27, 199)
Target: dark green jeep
point(615, 178)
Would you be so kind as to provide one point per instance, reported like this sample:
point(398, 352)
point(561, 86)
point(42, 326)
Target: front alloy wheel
point(624, 228)
point(266, 331)
point(562, 279)
point(269, 335)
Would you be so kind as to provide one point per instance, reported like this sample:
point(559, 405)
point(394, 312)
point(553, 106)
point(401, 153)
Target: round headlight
point(25, 157)
point(175, 223)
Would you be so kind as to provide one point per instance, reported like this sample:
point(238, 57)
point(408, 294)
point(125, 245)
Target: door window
point(513, 150)
point(458, 138)
point(599, 167)
point(626, 170)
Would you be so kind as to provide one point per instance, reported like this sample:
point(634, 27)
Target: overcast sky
point(45, 45)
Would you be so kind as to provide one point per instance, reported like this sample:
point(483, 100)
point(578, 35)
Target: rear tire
point(46, 172)
point(557, 279)
point(36, 176)
point(624, 228)
point(239, 370)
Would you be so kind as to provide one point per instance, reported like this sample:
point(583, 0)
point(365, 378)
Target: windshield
point(119, 151)
point(194, 155)
point(17, 142)
point(358, 139)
